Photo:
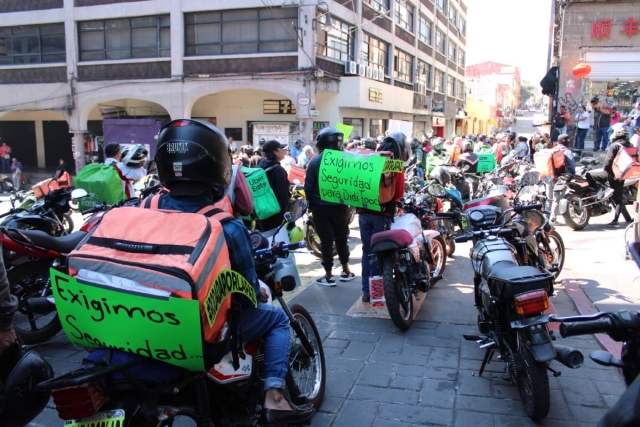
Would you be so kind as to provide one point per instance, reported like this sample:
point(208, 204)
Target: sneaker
point(366, 298)
point(347, 277)
point(326, 281)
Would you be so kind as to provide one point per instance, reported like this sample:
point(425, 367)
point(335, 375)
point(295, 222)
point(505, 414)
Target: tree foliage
point(527, 90)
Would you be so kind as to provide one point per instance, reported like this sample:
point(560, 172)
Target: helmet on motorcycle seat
point(621, 133)
point(370, 144)
point(329, 138)
point(467, 146)
point(20, 373)
point(134, 156)
point(437, 144)
point(193, 159)
point(441, 175)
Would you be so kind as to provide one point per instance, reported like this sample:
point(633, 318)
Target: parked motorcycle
point(404, 258)
point(511, 297)
point(223, 395)
point(50, 214)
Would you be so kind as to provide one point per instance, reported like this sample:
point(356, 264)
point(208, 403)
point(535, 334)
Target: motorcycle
point(50, 214)
point(226, 394)
point(404, 257)
point(511, 297)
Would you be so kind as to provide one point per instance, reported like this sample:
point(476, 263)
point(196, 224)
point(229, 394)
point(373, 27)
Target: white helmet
point(134, 156)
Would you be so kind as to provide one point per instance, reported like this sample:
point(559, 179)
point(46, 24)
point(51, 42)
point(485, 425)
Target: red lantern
point(581, 70)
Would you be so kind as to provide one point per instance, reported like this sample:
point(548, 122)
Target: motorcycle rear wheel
point(574, 217)
point(397, 294)
point(308, 378)
point(25, 281)
point(533, 385)
point(67, 223)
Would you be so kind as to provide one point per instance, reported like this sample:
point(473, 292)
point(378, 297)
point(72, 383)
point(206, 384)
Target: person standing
point(561, 119)
point(330, 219)
point(620, 141)
point(582, 125)
point(615, 116)
point(277, 176)
point(232, 144)
point(602, 125)
point(5, 157)
point(297, 149)
point(17, 177)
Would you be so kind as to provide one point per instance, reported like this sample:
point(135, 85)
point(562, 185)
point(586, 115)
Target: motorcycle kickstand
point(487, 358)
point(553, 371)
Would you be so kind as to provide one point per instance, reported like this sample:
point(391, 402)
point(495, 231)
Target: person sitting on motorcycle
point(468, 158)
point(372, 222)
point(481, 144)
point(620, 140)
point(203, 181)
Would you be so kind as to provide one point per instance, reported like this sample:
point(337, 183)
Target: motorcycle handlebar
point(452, 215)
point(282, 248)
point(588, 327)
point(520, 209)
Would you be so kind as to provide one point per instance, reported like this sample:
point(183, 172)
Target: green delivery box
point(486, 162)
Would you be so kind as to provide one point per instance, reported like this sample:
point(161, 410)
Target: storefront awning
point(613, 65)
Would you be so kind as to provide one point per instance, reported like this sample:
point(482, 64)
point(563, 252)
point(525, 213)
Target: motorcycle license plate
point(114, 418)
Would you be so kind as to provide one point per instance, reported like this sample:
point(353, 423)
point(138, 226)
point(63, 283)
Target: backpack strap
point(271, 167)
point(152, 202)
point(216, 213)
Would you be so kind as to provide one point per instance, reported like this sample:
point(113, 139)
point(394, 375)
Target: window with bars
point(375, 53)
point(141, 37)
point(451, 86)
point(32, 44)
point(453, 14)
point(461, 57)
point(442, 4)
point(440, 42)
point(337, 43)
point(381, 5)
point(404, 15)
point(402, 66)
point(423, 73)
point(424, 30)
point(241, 31)
point(452, 51)
point(461, 89)
point(438, 81)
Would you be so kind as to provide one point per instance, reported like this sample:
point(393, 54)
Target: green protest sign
point(351, 179)
point(345, 129)
point(163, 328)
point(486, 162)
point(391, 165)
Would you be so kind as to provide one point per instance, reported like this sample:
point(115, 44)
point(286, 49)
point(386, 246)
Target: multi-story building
point(117, 69)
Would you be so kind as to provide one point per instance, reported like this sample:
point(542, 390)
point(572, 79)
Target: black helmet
point(564, 139)
point(482, 137)
point(370, 144)
point(329, 138)
point(193, 158)
point(20, 373)
point(440, 175)
point(414, 143)
point(397, 144)
point(621, 133)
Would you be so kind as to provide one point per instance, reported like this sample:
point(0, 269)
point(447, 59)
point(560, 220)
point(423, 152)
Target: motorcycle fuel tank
point(488, 252)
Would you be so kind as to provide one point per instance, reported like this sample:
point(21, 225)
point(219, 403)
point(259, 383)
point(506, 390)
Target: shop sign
point(375, 95)
point(317, 126)
point(438, 121)
point(278, 106)
point(601, 28)
point(304, 101)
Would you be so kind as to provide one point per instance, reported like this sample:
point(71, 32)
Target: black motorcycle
point(511, 297)
point(50, 214)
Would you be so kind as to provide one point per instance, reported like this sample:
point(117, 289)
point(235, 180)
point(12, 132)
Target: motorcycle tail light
point(531, 302)
point(78, 402)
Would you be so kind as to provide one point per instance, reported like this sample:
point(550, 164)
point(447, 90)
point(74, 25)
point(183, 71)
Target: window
point(462, 26)
point(438, 81)
point(424, 30)
point(241, 31)
point(440, 42)
point(375, 53)
point(461, 57)
point(452, 52)
point(441, 5)
point(461, 90)
point(404, 15)
point(143, 37)
point(423, 72)
point(451, 86)
point(33, 44)
point(377, 127)
point(453, 14)
point(336, 43)
point(381, 5)
point(402, 66)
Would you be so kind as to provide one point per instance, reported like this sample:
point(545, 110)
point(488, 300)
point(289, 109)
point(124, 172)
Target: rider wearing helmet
point(468, 158)
point(370, 144)
point(194, 164)
point(133, 158)
point(372, 222)
point(330, 219)
point(620, 141)
point(437, 156)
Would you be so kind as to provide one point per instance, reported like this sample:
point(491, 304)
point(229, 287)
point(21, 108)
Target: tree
point(527, 90)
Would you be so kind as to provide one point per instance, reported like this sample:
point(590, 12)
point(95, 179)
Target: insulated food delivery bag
point(103, 184)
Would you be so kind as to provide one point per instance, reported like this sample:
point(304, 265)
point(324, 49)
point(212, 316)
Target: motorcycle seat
point(588, 161)
point(507, 279)
point(63, 244)
point(390, 239)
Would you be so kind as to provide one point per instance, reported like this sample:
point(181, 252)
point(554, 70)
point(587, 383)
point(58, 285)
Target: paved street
point(379, 376)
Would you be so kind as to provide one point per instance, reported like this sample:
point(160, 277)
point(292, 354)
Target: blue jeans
point(6, 165)
point(582, 134)
point(369, 225)
point(602, 138)
point(270, 323)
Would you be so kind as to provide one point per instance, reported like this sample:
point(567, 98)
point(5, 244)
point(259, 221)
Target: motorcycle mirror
point(79, 193)
point(297, 209)
point(606, 359)
point(436, 190)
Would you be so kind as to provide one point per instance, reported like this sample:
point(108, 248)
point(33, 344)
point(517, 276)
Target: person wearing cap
point(278, 180)
point(635, 139)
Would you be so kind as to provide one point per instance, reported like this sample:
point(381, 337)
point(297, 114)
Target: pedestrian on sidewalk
point(330, 219)
point(372, 222)
point(601, 125)
point(582, 126)
point(5, 157)
point(620, 140)
point(17, 177)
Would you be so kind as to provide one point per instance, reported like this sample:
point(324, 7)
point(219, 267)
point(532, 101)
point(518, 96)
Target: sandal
point(326, 281)
point(346, 277)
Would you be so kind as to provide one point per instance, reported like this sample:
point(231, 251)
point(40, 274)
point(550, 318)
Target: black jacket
point(311, 185)
point(279, 182)
point(612, 152)
point(8, 302)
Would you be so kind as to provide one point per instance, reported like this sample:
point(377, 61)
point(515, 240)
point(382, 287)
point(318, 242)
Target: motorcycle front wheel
point(67, 223)
point(439, 254)
point(533, 385)
point(556, 253)
point(308, 376)
point(576, 217)
point(398, 295)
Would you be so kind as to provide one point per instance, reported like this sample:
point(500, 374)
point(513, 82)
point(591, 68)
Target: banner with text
point(163, 328)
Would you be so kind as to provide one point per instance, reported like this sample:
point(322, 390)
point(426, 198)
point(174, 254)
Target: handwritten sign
point(345, 129)
point(227, 282)
point(163, 328)
point(352, 179)
point(391, 165)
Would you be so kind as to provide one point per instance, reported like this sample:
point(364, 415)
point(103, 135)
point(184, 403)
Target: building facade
point(76, 71)
point(606, 36)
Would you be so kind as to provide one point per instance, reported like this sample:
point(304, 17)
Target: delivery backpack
point(265, 204)
point(550, 162)
point(626, 165)
point(184, 255)
point(103, 184)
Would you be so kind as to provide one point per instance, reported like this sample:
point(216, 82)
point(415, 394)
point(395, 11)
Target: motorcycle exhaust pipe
point(568, 356)
point(42, 305)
